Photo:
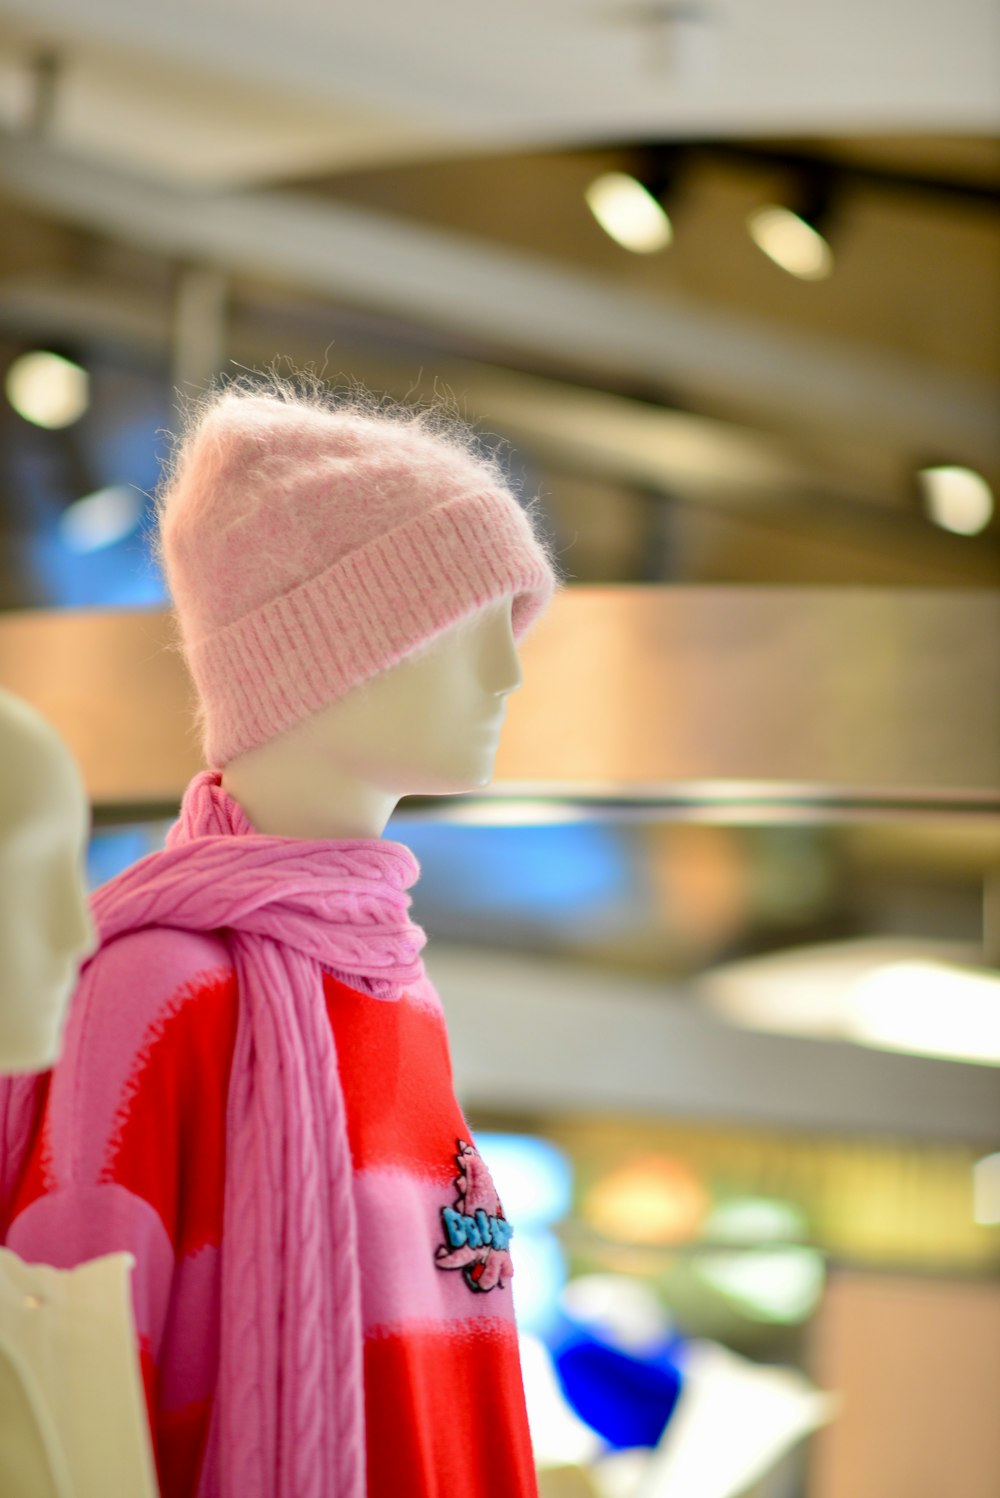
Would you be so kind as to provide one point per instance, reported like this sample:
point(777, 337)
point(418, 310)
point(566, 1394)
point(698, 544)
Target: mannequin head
point(45, 924)
point(428, 726)
point(351, 583)
point(312, 546)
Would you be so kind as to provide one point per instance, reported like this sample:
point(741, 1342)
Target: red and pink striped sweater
point(131, 1155)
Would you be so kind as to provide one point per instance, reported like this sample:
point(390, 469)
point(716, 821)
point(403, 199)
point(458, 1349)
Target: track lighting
point(47, 389)
point(794, 236)
point(958, 499)
point(790, 242)
point(628, 212)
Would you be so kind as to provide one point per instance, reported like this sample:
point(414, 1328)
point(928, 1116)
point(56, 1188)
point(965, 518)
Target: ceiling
point(410, 196)
point(402, 203)
point(227, 90)
point(395, 195)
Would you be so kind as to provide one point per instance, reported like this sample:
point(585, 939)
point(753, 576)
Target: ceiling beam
point(523, 306)
point(596, 432)
point(841, 517)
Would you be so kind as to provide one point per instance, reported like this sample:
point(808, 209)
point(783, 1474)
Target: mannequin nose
point(500, 665)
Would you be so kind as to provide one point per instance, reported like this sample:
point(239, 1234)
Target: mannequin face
point(428, 726)
point(431, 725)
point(45, 924)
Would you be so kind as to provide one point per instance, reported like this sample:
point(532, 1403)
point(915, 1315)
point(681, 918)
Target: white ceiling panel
point(215, 86)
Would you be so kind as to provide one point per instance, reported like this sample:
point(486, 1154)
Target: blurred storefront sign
point(702, 701)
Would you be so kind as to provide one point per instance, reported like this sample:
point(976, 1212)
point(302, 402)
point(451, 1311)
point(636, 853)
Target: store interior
point(719, 946)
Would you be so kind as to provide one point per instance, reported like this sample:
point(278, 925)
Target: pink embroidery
point(476, 1232)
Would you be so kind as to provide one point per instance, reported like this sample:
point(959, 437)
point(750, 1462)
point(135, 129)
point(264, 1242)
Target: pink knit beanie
point(309, 547)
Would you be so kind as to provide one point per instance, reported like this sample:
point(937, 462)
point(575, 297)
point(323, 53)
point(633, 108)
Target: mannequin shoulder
point(423, 995)
point(157, 968)
point(154, 991)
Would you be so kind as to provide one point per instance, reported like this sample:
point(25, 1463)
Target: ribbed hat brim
point(302, 650)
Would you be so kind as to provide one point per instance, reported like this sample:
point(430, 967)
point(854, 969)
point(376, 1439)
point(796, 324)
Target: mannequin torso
point(255, 1097)
point(156, 1022)
point(72, 1423)
point(45, 925)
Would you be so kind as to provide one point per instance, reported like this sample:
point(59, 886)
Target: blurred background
point(720, 947)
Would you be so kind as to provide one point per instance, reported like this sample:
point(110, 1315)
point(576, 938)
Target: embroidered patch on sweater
point(475, 1230)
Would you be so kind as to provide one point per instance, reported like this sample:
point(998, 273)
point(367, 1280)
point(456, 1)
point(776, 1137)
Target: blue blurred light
point(96, 551)
point(120, 575)
point(533, 1177)
point(534, 1181)
point(537, 871)
point(116, 848)
point(539, 1275)
point(101, 519)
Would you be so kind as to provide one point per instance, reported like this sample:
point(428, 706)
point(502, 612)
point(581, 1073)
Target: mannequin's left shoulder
point(152, 1008)
point(423, 995)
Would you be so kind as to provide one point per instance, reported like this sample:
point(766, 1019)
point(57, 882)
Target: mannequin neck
point(281, 803)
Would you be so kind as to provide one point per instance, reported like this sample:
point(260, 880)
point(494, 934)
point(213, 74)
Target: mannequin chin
point(45, 926)
point(428, 726)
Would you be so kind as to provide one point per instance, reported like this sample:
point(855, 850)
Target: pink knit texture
point(22, 1101)
point(308, 549)
point(288, 1418)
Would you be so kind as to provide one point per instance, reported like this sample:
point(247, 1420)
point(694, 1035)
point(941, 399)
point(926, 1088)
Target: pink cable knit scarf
point(288, 1420)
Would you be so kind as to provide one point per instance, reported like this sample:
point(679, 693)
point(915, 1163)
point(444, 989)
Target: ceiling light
point(929, 1009)
point(790, 242)
point(957, 499)
point(801, 991)
point(629, 213)
point(47, 389)
point(928, 998)
point(101, 519)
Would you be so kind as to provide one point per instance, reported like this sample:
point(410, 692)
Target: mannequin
point(45, 925)
point(255, 1097)
point(428, 727)
point(71, 1418)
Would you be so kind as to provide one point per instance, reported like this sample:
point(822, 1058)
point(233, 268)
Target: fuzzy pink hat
point(309, 547)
